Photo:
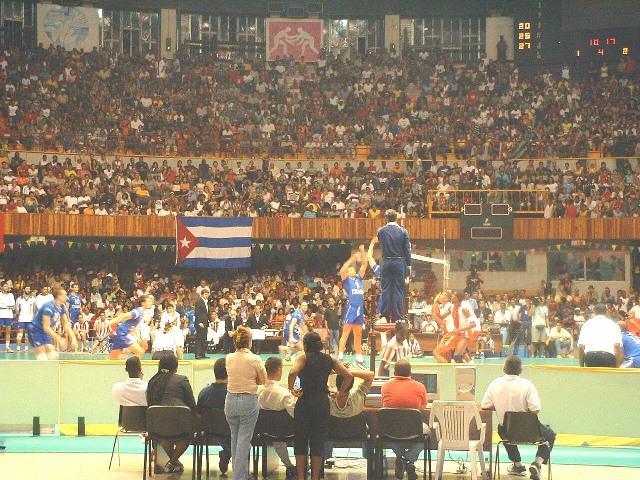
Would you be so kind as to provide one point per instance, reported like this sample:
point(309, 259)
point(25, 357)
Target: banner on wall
point(296, 38)
point(68, 27)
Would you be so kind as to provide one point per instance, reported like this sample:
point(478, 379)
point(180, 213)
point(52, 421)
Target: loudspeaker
point(465, 383)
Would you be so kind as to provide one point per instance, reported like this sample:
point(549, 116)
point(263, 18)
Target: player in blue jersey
point(42, 335)
point(74, 303)
point(353, 319)
point(125, 337)
point(294, 330)
point(630, 347)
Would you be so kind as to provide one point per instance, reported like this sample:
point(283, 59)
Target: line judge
point(395, 267)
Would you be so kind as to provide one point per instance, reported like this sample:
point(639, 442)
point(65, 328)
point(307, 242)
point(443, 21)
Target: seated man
point(133, 391)
point(349, 405)
point(559, 341)
point(273, 396)
point(515, 394)
point(213, 396)
point(396, 349)
point(630, 347)
point(404, 392)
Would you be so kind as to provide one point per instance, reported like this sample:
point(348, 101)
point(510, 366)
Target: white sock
point(340, 355)
point(359, 358)
point(6, 345)
point(539, 460)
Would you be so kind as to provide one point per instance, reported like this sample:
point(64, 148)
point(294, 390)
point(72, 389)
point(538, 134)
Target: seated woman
point(168, 388)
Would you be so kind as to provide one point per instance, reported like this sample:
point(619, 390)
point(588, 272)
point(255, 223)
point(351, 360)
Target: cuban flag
point(213, 242)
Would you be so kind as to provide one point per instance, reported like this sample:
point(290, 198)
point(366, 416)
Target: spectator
point(559, 341)
point(515, 394)
point(168, 388)
point(630, 347)
point(214, 396)
point(133, 391)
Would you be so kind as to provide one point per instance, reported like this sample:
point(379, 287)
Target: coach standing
point(396, 266)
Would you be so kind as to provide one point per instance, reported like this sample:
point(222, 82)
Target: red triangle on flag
point(185, 241)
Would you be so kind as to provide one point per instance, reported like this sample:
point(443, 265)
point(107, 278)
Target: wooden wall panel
point(60, 225)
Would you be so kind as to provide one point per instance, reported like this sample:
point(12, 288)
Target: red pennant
point(53, 243)
point(96, 245)
point(138, 247)
point(130, 247)
point(11, 246)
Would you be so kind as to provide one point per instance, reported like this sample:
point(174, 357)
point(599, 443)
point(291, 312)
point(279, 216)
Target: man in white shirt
point(273, 396)
point(600, 340)
point(7, 306)
point(25, 310)
point(133, 391)
point(560, 340)
point(511, 393)
point(539, 326)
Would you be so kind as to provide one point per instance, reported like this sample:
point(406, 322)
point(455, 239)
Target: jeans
point(334, 339)
point(562, 346)
point(241, 410)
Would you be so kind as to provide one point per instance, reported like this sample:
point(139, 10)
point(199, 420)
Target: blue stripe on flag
point(217, 222)
point(216, 262)
point(224, 242)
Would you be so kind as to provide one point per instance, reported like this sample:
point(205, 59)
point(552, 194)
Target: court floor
point(64, 466)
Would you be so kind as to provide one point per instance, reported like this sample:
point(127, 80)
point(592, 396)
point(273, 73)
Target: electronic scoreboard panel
point(486, 221)
point(537, 32)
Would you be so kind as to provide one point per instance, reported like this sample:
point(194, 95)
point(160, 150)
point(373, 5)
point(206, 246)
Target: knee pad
point(19, 336)
point(52, 355)
point(41, 356)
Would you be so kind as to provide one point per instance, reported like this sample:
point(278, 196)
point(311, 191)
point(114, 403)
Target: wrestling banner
point(296, 38)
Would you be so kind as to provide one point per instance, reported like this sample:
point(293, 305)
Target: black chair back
point(399, 423)
point(133, 419)
point(214, 423)
point(274, 425)
point(169, 422)
point(348, 429)
point(522, 427)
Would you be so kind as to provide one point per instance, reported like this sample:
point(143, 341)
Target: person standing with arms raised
point(395, 268)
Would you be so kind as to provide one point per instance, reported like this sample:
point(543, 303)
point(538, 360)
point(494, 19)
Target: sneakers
point(292, 473)
point(8, 350)
point(224, 461)
point(411, 471)
point(399, 468)
point(534, 470)
point(173, 467)
point(360, 365)
point(520, 471)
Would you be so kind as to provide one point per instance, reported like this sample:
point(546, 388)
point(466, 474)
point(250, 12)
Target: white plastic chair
point(452, 424)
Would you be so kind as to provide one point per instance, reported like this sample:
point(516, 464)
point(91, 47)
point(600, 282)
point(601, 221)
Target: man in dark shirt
point(395, 268)
point(259, 321)
point(213, 396)
point(332, 324)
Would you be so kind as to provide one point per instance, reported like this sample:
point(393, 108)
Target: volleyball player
point(353, 319)
point(294, 331)
point(25, 311)
point(459, 321)
point(42, 335)
point(126, 335)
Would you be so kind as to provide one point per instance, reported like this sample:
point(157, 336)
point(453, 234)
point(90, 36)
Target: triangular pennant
point(164, 248)
point(287, 246)
point(138, 247)
point(53, 243)
point(303, 246)
point(88, 245)
point(261, 246)
point(558, 247)
point(271, 246)
point(96, 246)
point(517, 252)
point(70, 244)
point(121, 247)
point(45, 241)
point(342, 242)
point(28, 243)
point(613, 247)
point(532, 251)
point(154, 247)
point(130, 247)
point(11, 246)
point(113, 246)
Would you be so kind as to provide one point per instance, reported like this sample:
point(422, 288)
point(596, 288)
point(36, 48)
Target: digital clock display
point(605, 46)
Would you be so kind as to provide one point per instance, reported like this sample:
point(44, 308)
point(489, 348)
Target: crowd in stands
point(104, 295)
point(418, 108)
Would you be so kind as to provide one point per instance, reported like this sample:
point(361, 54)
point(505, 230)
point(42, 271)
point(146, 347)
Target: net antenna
point(422, 260)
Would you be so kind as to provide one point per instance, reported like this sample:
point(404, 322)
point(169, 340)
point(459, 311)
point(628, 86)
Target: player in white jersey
point(43, 297)
point(7, 307)
point(25, 311)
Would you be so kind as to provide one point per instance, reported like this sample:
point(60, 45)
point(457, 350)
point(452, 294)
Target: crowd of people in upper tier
point(419, 109)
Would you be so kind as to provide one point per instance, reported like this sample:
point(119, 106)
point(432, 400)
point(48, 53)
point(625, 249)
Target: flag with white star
point(203, 242)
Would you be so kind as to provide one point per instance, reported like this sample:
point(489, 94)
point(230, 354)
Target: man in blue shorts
point(41, 334)
point(353, 319)
point(74, 303)
point(293, 331)
point(126, 336)
point(630, 347)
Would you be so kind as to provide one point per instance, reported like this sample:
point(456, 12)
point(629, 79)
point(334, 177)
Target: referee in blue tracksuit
point(395, 267)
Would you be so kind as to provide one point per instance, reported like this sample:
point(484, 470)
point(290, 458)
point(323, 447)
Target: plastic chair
point(130, 420)
point(352, 432)
point(272, 426)
point(521, 428)
point(215, 429)
point(452, 424)
point(401, 425)
point(170, 423)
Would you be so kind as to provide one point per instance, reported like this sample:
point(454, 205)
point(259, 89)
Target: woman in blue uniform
point(125, 337)
point(354, 311)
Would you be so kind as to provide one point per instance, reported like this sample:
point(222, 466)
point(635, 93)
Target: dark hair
point(600, 309)
point(220, 369)
point(242, 338)
point(142, 298)
point(312, 343)
point(272, 364)
point(167, 366)
point(391, 215)
point(513, 365)
point(402, 368)
point(133, 366)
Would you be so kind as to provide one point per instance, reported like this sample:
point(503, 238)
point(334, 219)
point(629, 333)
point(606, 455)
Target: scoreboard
point(486, 221)
point(537, 32)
